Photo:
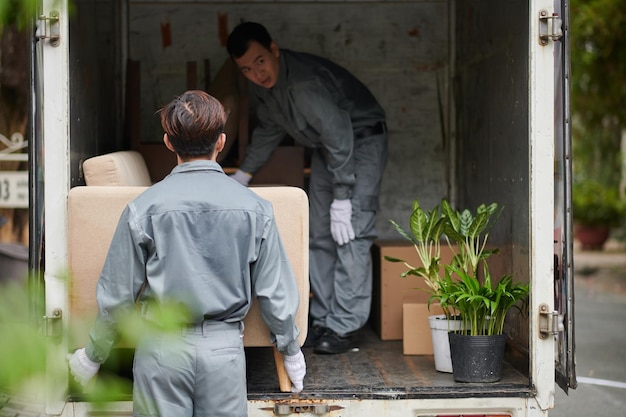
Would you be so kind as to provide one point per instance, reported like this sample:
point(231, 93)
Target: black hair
point(246, 32)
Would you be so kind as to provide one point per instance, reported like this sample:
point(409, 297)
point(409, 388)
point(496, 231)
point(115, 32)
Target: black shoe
point(313, 335)
point(331, 343)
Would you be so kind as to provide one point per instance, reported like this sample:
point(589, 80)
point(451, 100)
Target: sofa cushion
point(126, 168)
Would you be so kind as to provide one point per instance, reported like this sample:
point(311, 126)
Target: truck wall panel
point(491, 72)
point(399, 50)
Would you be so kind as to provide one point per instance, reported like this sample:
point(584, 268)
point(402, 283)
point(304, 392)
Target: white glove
point(340, 224)
point(296, 369)
point(241, 177)
point(83, 368)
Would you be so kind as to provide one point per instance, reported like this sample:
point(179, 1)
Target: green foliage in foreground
point(17, 12)
point(23, 348)
point(27, 365)
point(31, 363)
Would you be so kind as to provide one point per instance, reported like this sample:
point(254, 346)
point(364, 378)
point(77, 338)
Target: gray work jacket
point(201, 240)
point(320, 105)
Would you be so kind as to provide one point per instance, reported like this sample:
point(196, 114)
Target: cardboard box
point(417, 339)
point(391, 291)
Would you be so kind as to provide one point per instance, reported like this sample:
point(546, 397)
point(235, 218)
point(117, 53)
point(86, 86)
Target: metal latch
point(284, 409)
point(549, 31)
point(52, 326)
point(550, 322)
point(49, 27)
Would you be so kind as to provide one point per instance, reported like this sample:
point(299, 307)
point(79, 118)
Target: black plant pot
point(476, 358)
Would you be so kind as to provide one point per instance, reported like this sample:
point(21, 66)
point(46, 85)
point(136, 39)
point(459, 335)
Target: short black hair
point(246, 32)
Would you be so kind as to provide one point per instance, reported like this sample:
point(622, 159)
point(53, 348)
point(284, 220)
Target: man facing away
point(321, 106)
point(199, 240)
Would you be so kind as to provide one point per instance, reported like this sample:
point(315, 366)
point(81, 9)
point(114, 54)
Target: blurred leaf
point(17, 12)
point(23, 350)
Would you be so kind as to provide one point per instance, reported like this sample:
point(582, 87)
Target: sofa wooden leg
point(283, 378)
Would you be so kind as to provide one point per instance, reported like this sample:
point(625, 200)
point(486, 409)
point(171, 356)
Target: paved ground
point(600, 317)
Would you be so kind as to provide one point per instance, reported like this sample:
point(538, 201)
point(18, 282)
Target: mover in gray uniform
point(321, 106)
point(200, 240)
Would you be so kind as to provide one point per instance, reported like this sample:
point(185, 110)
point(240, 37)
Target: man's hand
point(296, 369)
point(340, 221)
point(241, 177)
point(83, 368)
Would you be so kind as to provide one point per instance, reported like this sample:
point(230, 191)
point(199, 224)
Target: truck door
point(522, 55)
point(565, 372)
point(50, 173)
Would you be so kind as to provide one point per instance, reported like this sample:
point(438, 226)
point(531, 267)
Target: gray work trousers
point(197, 372)
point(341, 276)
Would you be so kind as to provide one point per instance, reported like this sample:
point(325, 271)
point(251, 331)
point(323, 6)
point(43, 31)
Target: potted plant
point(596, 209)
point(475, 306)
point(477, 350)
point(426, 234)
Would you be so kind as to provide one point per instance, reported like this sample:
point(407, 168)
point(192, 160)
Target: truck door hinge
point(550, 322)
point(52, 326)
point(49, 27)
point(549, 27)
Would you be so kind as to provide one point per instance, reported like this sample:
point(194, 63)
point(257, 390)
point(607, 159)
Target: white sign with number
point(14, 189)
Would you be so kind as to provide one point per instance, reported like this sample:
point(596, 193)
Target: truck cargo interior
point(452, 77)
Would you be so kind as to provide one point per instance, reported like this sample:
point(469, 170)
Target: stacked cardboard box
point(395, 296)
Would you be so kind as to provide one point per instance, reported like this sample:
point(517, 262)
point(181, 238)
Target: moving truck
point(476, 96)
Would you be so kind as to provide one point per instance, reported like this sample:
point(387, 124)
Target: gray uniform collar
point(203, 165)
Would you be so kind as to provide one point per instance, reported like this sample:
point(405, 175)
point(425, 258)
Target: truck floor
point(375, 369)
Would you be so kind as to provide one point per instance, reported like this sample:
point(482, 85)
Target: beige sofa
point(94, 212)
point(117, 168)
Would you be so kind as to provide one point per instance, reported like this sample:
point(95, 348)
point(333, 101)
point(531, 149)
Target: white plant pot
point(439, 328)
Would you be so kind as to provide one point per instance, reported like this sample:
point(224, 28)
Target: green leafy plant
point(470, 232)
point(597, 205)
point(425, 235)
point(482, 305)
point(466, 288)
